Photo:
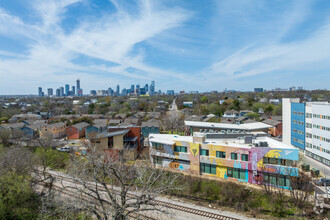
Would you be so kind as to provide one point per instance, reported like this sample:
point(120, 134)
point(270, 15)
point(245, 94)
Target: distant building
point(117, 90)
point(110, 91)
point(152, 88)
point(193, 92)
point(39, 91)
point(93, 93)
point(49, 91)
point(73, 92)
point(67, 90)
point(80, 92)
point(132, 89)
point(188, 104)
point(258, 89)
point(170, 92)
point(58, 92)
point(61, 91)
point(78, 86)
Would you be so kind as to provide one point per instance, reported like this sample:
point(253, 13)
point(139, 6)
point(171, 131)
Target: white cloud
point(112, 37)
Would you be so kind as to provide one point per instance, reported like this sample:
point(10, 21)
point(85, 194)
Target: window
point(204, 152)
point(233, 156)
point(229, 172)
point(208, 168)
point(245, 157)
point(236, 173)
point(180, 149)
point(221, 154)
point(110, 142)
point(158, 160)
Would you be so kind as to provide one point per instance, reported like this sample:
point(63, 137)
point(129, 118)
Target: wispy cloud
point(112, 38)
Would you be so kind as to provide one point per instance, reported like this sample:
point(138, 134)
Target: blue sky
point(183, 45)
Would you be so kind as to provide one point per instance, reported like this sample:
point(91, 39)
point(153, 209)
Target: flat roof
point(249, 126)
point(230, 142)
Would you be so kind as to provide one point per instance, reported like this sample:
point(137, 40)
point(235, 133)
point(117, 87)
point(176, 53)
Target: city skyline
point(78, 91)
point(186, 45)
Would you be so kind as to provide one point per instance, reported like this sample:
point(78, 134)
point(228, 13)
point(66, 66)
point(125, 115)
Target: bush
point(17, 200)
point(52, 158)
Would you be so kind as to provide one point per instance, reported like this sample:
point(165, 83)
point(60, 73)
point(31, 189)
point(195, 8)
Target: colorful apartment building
point(247, 158)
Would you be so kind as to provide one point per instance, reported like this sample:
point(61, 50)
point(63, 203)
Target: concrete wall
point(286, 117)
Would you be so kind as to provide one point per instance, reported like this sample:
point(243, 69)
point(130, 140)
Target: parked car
point(323, 181)
point(65, 149)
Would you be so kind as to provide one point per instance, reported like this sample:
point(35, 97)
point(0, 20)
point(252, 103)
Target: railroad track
point(94, 201)
point(167, 205)
point(193, 211)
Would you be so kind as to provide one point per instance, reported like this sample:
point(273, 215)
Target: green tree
point(268, 110)
point(204, 99)
point(17, 200)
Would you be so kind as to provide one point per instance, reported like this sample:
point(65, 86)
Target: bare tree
point(111, 189)
point(301, 188)
point(47, 142)
point(173, 122)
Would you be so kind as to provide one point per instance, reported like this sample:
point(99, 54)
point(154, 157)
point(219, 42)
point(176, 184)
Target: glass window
point(235, 173)
point(242, 175)
point(229, 172)
point(233, 156)
point(266, 160)
point(221, 154)
point(207, 168)
point(204, 152)
point(245, 157)
point(213, 169)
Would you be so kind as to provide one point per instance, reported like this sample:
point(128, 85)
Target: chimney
point(199, 138)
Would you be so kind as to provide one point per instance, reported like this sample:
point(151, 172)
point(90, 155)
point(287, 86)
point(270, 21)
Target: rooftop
point(230, 142)
point(249, 126)
point(107, 134)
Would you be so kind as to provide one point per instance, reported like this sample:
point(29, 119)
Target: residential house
point(231, 114)
point(155, 115)
point(25, 130)
point(114, 122)
point(21, 117)
point(244, 112)
point(274, 101)
point(118, 139)
point(56, 130)
point(76, 131)
point(188, 104)
point(120, 116)
point(150, 127)
point(276, 128)
point(95, 129)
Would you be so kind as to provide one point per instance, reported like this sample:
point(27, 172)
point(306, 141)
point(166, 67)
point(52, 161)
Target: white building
point(306, 125)
point(318, 131)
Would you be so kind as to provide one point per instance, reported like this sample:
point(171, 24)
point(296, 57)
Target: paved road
point(325, 171)
point(174, 106)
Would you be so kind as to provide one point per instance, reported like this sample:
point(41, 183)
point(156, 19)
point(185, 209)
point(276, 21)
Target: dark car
point(323, 181)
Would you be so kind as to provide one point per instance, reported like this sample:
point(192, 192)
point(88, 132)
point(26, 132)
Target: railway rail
point(168, 205)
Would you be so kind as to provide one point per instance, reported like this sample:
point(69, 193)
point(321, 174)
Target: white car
point(65, 149)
